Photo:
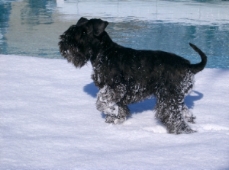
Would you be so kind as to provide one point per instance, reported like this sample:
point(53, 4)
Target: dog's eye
point(84, 32)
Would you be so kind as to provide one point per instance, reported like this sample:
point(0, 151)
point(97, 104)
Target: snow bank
point(48, 120)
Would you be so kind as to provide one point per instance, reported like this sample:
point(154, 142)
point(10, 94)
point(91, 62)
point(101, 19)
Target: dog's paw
point(119, 120)
point(115, 119)
point(190, 119)
point(186, 130)
point(110, 118)
point(188, 116)
point(183, 128)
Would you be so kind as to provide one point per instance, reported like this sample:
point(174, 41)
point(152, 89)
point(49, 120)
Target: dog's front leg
point(108, 102)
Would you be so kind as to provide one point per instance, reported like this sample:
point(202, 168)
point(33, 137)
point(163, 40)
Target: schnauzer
point(124, 75)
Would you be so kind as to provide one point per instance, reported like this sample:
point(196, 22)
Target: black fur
point(125, 75)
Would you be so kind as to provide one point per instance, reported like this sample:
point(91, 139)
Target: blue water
point(32, 28)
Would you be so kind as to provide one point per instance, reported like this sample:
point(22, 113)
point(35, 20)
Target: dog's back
point(136, 58)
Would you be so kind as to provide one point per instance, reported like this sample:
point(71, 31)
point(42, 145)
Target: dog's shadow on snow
point(147, 104)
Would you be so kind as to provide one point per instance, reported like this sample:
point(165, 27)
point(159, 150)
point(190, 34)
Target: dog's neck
point(106, 44)
point(106, 40)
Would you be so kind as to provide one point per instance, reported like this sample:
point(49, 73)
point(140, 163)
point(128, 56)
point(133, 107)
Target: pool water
point(32, 28)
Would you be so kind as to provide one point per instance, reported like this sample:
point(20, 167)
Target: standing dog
point(124, 75)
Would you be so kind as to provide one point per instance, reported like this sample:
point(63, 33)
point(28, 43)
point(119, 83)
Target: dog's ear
point(99, 26)
point(81, 21)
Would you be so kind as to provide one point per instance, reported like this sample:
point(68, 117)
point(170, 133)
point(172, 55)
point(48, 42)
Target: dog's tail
point(195, 68)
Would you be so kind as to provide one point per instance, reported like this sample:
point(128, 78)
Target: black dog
point(125, 75)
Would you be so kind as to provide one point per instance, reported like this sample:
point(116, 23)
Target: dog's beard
point(72, 54)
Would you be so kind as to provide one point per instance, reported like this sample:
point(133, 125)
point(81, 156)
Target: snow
point(48, 120)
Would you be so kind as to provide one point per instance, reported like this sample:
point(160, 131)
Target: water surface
point(32, 28)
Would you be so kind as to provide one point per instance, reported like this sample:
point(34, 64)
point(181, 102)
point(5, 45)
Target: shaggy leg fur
point(107, 103)
point(169, 111)
point(170, 108)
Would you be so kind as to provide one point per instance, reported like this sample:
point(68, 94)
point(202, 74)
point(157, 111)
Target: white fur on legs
point(115, 113)
point(105, 102)
point(188, 115)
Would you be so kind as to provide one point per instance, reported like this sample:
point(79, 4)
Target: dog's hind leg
point(108, 102)
point(186, 85)
point(187, 114)
point(169, 111)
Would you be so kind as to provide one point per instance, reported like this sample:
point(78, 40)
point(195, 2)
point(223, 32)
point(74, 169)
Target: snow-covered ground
point(48, 120)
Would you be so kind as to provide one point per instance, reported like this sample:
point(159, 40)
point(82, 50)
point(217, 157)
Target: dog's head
point(80, 41)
